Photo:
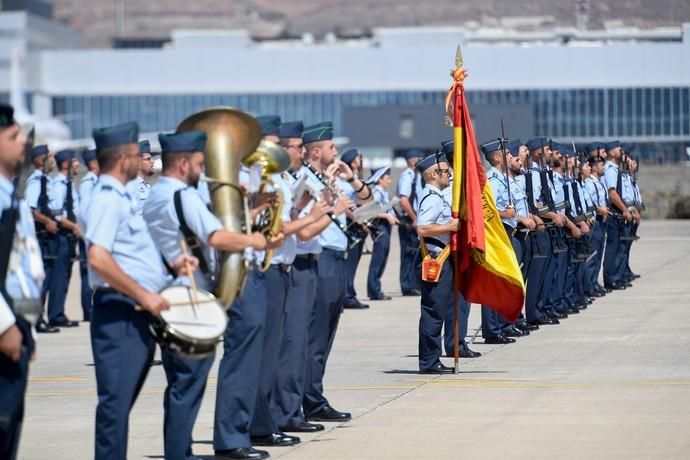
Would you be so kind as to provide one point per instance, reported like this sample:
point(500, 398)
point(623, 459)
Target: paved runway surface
point(612, 382)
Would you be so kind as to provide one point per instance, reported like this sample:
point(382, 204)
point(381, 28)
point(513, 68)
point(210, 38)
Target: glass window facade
point(636, 114)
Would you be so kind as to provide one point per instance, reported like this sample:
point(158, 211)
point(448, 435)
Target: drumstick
point(190, 274)
point(177, 304)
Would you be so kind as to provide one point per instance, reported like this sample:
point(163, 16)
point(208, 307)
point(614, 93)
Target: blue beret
point(144, 147)
point(594, 146)
point(413, 154)
point(448, 147)
point(191, 141)
point(514, 147)
point(38, 151)
point(318, 132)
point(6, 115)
point(430, 161)
point(64, 155)
point(349, 156)
point(88, 155)
point(490, 146)
point(536, 143)
point(595, 159)
point(291, 129)
point(126, 133)
point(612, 145)
point(378, 173)
point(566, 150)
point(270, 124)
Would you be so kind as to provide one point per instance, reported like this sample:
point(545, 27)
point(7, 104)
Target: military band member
point(174, 200)
point(599, 196)
point(380, 180)
point(434, 224)
point(126, 272)
point(409, 190)
point(22, 282)
point(64, 205)
point(139, 187)
point(353, 159)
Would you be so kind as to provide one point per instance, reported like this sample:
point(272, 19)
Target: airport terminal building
point(385, 92)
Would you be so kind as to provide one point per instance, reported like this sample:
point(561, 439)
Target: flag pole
point(455, 98)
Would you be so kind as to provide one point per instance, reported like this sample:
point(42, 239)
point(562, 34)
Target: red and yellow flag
point(486, 270)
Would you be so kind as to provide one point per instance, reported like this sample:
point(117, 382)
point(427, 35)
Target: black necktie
point(69, 202)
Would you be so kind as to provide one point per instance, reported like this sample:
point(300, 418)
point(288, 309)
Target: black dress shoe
point(45, 328)
point(304, 427)
point(242, 452)
point(275, 440)
point(499, 340)
point(514, 332)
point(356, 306)
point(554, 314)
point(412, 292)
point(617, 286)
point(545, 321)
point(465, 352)
point(635, 276)
point(64, 323)
point(381, 297)
point(525, 326)
point(439, 368)
point(573, 310)
point(328, 414)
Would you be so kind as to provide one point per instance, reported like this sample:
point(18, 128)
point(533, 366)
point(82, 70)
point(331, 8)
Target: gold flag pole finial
point(458, 58)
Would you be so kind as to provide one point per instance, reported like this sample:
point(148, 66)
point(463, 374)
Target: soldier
point(408, 191)
point(86, 185)
point(597, 193)
point(138, 187)
point(380, 180)
point(20, 285)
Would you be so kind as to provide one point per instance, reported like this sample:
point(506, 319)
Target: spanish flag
point(486, 271)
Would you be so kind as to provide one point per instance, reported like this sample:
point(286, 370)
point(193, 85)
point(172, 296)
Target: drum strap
point(189, 236)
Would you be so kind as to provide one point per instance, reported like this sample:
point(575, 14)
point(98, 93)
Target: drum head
point(202, 322)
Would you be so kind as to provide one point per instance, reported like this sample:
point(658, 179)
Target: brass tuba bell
point(232, 136)
point(273, 159)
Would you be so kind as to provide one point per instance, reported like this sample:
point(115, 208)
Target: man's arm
point(438, 229)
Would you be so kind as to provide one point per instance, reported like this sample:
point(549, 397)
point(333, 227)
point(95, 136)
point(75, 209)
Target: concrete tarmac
point(611, 382)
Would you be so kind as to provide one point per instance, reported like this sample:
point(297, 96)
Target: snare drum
point(190, 329)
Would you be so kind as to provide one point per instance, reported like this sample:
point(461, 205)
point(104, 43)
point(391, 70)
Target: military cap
point(378, 173)
point(429, 161)
point(88, 155)
point(290, 129)
point(612, 145)
point(6, 115)
point(595, 159)
point(594, 146)
point(349, 156)
point(144, 147)
point(64, 155)
point(270, 124)
point(319, 132)
point(38, 151)
point(191, 141)
point(555, 146)
point(514, 147)
point(566, 150)
point(490, 146)
point(126, 133)
point(536, 143)
point(413, 154)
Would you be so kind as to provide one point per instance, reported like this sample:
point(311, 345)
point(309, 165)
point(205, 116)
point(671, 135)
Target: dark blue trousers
point(536, 276)
point(624, 251)
point(449, 327)
point(559, 265)
point(240, 367)
point(292, 357)
point(409, 249)
point(593, 265)
point(613, 249)
point(13, 380)
point(86, 305)
point(59, 277)
point(354, 255)
point(48, 244)
point(330, 295)
point(183, 395)
point(122, 349)
point(378, 261)
point(436, 298)
point(571, 289)
point(265, 419)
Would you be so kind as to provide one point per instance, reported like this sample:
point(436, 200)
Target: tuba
point(232, 136)
point(273, 159)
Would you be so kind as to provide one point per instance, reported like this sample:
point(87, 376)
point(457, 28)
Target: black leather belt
point(334, 252)
point(307, 257)
point(287, 268)
point(600, 218)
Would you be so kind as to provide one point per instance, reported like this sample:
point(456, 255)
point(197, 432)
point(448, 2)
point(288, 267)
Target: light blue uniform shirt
point(139, 190)
point(406, 183)
point(596, 191)
point(381, 195)
point(610, 175)
point(114, 225)
point(435, 208)
point(204, 191)
point(311, 246)
point(86, 185)
point(33, 188)
point(332, 237)
point(59, 195)
point(536, 185)
point(628, 188)
point(517, 189)
point(285, 254)
point(164, 225)
point(497, 182)
point(558, 192)
point(26, 280)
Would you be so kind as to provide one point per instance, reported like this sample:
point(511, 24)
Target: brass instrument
point(273, 159)
point(232, 137)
